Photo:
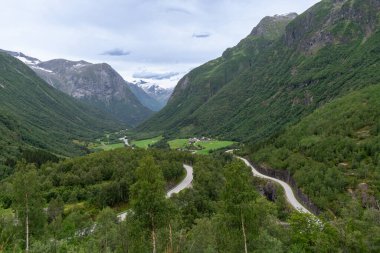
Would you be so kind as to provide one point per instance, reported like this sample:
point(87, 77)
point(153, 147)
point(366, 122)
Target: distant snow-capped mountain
point(161, 94)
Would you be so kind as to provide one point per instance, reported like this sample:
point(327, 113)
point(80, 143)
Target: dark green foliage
point(38, 157)
point(204, 218)
point(334, 149)
point(333, 154)
point(161, 144)
point(104, 178)
point(101, 179)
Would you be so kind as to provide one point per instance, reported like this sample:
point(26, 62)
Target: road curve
point(288, 190)
point(185, 183)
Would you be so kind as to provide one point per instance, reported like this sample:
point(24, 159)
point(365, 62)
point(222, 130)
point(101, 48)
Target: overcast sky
point(155, 40)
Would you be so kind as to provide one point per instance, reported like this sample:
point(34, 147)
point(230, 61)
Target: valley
point(193, 145)
point(271, 146)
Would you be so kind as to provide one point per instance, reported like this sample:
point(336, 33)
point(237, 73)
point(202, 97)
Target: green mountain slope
point(334, 153)
point(278, 75)
point(34, 114)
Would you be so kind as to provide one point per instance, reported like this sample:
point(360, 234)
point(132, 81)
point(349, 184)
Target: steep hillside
point(98, 85)
point(334, 153)
point(278, 74)
point(32, 113)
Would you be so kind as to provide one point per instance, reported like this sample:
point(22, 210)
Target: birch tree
point(149, 203)
point(28, 202)
point(239, 197)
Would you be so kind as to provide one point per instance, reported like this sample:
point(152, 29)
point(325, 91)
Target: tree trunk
point(105, 250)
point(170, 238)
point(153, 236)
point(26, 223)
point(244, 235)
point(154, 240)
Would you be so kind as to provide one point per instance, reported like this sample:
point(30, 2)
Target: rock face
point(270, 27)
point(318, 26)
point(96, 84)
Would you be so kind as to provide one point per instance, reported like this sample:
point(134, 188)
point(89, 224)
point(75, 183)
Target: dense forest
point(70, 209)
point(333, 155)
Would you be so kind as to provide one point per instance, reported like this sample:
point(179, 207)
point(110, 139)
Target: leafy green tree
point(55, 212)
point(28, 202)
point(75, 222)
point(238, 197)
point(106, 231)
point(149, 204)
point(7, 229)
point(202, 237)
point(309, 234)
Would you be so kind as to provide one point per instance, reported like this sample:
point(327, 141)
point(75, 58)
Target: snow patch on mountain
point(39, 68)
point(153, 88)
point(27, 60)
point(80, 65)
point(154, 91)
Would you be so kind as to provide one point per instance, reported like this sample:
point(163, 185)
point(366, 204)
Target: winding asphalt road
point(185, 183)
point(290, 197)
point(288, 190)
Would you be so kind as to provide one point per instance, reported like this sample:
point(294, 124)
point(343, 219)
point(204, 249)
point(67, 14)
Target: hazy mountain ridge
point(96, 84)
point(34, 114)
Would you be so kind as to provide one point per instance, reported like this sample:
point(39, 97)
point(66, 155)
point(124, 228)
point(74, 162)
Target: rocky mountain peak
point(273, 26)
point(60, 65)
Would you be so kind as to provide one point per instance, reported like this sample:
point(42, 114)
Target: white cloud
point(161, 34)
